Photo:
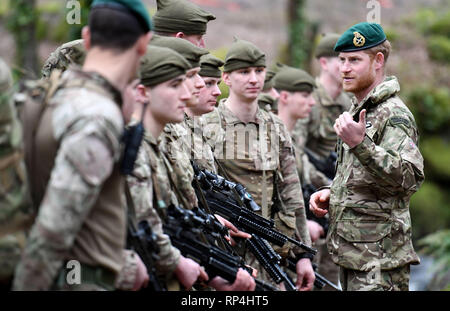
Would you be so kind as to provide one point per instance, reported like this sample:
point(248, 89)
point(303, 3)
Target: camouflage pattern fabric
point(175, 144)
point(75, 219)
point(253, 162)
point(149, 185)
point(370, 224)
point(375, 280)
point(69, 53)
point(200, 151)
point(15, 205)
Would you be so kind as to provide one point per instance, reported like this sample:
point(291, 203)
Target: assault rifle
point(143, 242)
point(320, 280)
point(220, 200)
point(184, 228)
point(326, 166)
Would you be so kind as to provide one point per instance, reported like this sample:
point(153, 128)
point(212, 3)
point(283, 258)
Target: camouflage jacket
point(260, 156)
point(199, 149)
point(370, 225)
point(82, 214)
point(151, 192)
point(176, 147)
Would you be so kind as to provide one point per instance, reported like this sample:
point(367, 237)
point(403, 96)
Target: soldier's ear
point(86, 35)
point(283, 97)
point(180, 35)
point(379, 60)
point(142, 43)
point(323, 61)
point(226, 78)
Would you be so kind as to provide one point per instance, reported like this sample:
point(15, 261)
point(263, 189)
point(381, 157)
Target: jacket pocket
point(363, 231)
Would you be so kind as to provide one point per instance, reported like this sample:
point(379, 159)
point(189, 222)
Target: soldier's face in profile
point(301, 104)
point(246, 83)
point(168, 100)
point(197, 40)
point(357, 71)
point(194, 83)
point(333, 69)
point(208, 95)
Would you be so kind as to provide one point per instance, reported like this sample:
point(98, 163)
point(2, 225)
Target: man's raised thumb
point(362, 117)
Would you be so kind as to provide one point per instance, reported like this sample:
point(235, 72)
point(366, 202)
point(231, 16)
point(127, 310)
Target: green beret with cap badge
point(173, 16)
point(243, 54)
point(359, 37)
point(135, 7)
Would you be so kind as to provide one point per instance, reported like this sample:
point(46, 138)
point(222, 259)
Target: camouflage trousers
point(326, 266)
point(376, 280)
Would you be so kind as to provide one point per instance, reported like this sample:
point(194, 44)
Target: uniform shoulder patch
point(400, 120)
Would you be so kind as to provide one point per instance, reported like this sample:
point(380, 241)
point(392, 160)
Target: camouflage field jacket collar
point(231, 118)
point(379, 94)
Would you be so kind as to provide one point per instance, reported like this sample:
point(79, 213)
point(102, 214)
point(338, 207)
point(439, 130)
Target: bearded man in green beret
point(182, 19)
point(267, 173)
point(379, 167)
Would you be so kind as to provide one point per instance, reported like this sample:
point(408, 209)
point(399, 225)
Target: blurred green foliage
point(439, 48)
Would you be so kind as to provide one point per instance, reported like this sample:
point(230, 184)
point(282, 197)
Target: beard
point(361, 83)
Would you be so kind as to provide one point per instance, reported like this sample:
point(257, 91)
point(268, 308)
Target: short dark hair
point(114, 29)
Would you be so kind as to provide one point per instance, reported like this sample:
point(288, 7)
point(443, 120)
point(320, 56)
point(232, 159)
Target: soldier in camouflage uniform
point(182, 19)
point(163, 86)
point(15, 211)
point(176, 137)
point(264, 164)
point(77, 185)
point(379, 168)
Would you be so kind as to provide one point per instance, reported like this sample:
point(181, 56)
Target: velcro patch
point(400, 120)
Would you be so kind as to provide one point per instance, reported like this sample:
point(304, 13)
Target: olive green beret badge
point(358, 39)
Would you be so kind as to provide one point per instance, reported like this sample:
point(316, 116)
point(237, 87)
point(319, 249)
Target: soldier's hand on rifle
point(234, 232)
point(188, 272)
point(351, 132)
point(319, 202)
point(315, 230)
point(142, 278)
point(243, 282)
point(305, 275)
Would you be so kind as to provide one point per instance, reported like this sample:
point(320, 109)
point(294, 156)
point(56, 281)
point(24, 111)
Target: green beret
point(360, 37)
point(160, 64)
point(209, 66)
point(69, 53)
point(173, 16)
point(325, 48)
point(267, 102)
point(293, 80)
point(268, 81)
point(243, 54)
point(135, 7)
point(188, 50)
